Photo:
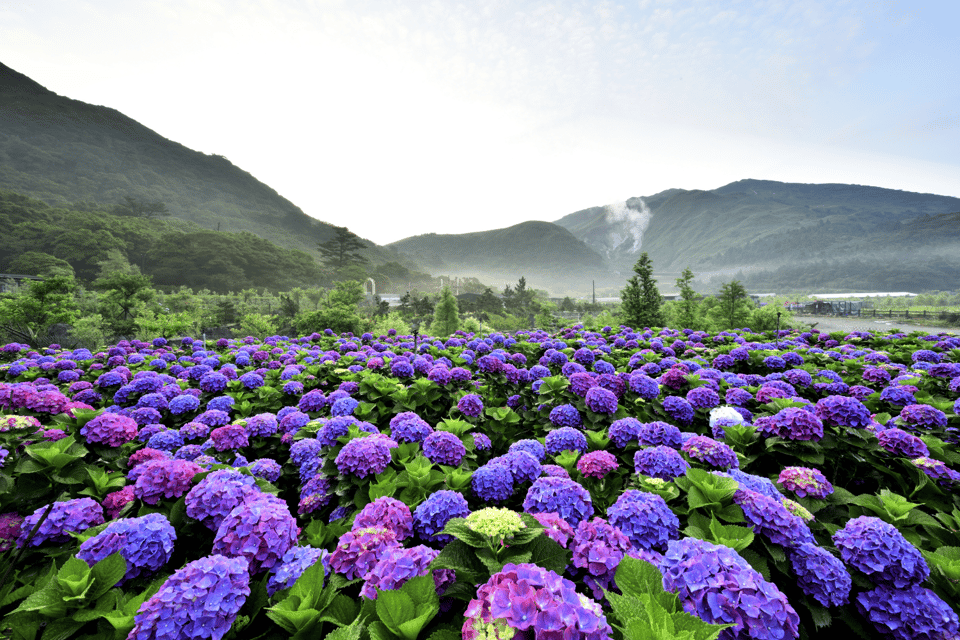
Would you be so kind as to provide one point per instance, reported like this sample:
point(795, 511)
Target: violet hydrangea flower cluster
point(214, 497)
point(714, 583)
point(842, 411)
point(162, 478)
point(821, 575)
point(769, 518)
point(201, 600)
point(531, 599)
point(710, 452)
point(660, 462)
point(562, 496)
point(365, 456)
point(433, 514)
point(597, 464)
point(110, 429)
point(395, 567)
point(878, 550)
point(912, 613)
point(793, 423)
point(443, 447)
point(74, 516)
point(645, 519)
point(146, 543)
point(293, 564)
point(386, 512)
point(359, 550)
point(260, 529)
point(804, 482)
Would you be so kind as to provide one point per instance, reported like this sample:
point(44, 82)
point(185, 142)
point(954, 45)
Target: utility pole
point(594, 291)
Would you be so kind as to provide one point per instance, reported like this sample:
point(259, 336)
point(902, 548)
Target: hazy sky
point(395, 118)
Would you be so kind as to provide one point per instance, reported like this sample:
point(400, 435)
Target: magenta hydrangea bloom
point(359, 550)
point(9, 530)
point(645, 519)
point(714, 583)
point(555, 527)
point(74, 516)
point(804, 482)
point(115, 501)
point(386, 512)
point(878, 550)
point(710, 452)
point(365, 456)
point(820, 575)
point(769, 518)
point(110, 429)
point(528, 598)
point(562, 496)
point(201, 600)
point(146, 543)
point(912, 613)
point(443, 447)
point(164, 479)
point(792, 423)
point(260, 529)
point(597, 464)
point(396, 566)
point(217, 495)
point(842, 411)
point(659, 462)
point(231, 436)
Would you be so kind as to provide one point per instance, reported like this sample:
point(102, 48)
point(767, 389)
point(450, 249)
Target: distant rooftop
point(881, 294)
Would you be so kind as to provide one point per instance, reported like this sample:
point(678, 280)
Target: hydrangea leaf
point(395, 608)
point(549, 554)
point(107, 573)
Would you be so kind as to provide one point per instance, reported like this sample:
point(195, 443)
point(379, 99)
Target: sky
point(401, 117)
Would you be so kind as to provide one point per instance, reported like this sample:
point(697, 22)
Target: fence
point(903, 314)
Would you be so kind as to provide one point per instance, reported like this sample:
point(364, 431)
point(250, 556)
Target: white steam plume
point(633, 222)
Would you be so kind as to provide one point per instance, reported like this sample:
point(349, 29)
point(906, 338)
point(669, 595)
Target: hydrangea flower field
point(613, 484)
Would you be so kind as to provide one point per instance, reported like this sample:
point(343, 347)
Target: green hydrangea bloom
point(797, 509)
point(495, 521)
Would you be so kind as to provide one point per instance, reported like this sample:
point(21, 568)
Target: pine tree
point(342, 250)
point(734, 304)
point(641, 298)
point(689, 303)
point(446, 316)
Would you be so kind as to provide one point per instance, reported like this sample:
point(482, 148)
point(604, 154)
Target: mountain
point(817, 232)
point(63, 151)
point(547, 255)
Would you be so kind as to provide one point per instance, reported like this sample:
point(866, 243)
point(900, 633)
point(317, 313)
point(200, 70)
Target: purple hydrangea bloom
point(922, 415)
point(213, 418)
point(395, 567)
point(899, 442)
point(168, 440)
point(769, 518)
point(598, 548)
point(409, 427)
point(644, 386)
point(183, 404)
point(214, 497)
point(266, 468)
point(164, 478)
point(597, 464)
point(481, 442)
point(645, 519)
point(293, 564)
point(260, 529)
point(624, 431)
point(565, 415)
point(657, 433)
point(443, 447)
point(804, 482)
point(820, 575)
point(470, 405)
point(600, 400)
point(714, 583)
point(492, 482)
point(703, 398)
point(877, 549)
point(533, 447)
point(565, 439)
point(842, 411)
point(201, 600)
point(335, 428)
point(432, 515)
point(898, 395)
point(146, 543)
point(678, 409)
point(312, 401)
point(793, 423)
point(365, 456)
point(562, 496)
point(523, 465)
point(232, 436)
point(359, 550)
point(115, 501)
point(936, 469)
point(386, 512)
point(913, 613)
point(660, 462)
point(110, 429)
point(529, 598)
point(74, 515)
point(759, 484)
point(710, 452)
point(9, 530)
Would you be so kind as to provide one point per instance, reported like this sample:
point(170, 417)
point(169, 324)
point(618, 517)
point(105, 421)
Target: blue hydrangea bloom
point(659, 462)
point(645, 519)
point(562, 496)
point(820, 575)
point(492, 483)
point(565, 439)
point(877, 549)
point(912, 613)
point(146, 543)
point(432, 515)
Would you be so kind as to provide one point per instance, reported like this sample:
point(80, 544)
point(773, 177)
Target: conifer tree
point(342, 250)
point(641, 298)
point(446, 316)
point(689, 303)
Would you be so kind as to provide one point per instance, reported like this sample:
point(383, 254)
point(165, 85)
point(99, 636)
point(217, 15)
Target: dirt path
point(837, 323)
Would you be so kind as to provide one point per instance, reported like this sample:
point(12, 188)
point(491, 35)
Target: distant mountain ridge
point(63, 151)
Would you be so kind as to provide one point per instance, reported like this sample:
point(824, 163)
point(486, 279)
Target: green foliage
point(29, 314)
point(339, 311)
point(256, 325)
point(688, 307)
point(446, 318)
point(641, 298)
point(735, 307)
point(342, 250)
